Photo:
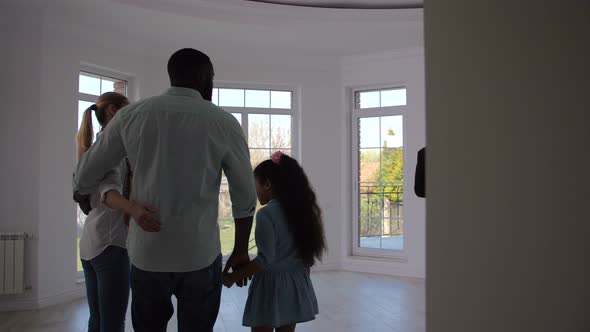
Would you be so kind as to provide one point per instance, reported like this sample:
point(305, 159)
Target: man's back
point(178, 143)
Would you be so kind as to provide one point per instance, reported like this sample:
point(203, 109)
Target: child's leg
point(286, 328)
point(262, 329)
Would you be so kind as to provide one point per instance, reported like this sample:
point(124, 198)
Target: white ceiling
point(223, 25)
point(358, 4)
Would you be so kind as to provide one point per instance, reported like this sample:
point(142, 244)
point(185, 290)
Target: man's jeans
point(198, 294)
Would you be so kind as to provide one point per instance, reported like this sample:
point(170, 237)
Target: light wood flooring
point(348, 302)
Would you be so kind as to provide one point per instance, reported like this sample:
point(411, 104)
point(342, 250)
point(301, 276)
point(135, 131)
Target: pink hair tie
point(276, 157)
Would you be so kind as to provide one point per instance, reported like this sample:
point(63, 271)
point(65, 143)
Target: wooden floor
point(348, 302)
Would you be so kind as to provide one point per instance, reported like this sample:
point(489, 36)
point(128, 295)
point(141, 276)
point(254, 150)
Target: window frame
point(245, 111)
point(356, 115)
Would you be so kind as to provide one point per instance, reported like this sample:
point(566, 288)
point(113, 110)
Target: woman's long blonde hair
point(86, 132)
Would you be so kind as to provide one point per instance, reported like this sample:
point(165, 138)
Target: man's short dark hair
point(189, 68)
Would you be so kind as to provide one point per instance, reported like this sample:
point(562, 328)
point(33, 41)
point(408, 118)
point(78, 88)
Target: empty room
point(237, 165)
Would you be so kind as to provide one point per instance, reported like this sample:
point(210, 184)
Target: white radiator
point(12, 250)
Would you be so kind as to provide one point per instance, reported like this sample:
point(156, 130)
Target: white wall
point(508, 166)
point(20, 32)
point(63, 47)
point(404, 67)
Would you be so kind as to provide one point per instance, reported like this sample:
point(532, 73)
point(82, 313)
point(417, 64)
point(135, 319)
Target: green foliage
point(369, 156)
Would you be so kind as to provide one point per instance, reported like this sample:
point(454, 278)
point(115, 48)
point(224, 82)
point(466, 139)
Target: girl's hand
point(143, 217)
point(236, 262)
point(228, 280)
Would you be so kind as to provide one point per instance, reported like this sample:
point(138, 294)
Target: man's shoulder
point(140, 104)
point(229, 122)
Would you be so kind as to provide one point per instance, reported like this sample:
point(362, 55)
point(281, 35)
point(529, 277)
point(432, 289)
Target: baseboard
point(379, 266)
point(327, 266)
point(33, 303)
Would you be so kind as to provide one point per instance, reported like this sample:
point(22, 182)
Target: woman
point(103, 242)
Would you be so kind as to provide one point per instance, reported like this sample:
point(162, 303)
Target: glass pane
point(107, 85)
point(231, 97)
point(89, 83)
point(80, 220)
point(392, 131)
point(394, 97)
point(280, 99)
point(392, 161)
point(227, 233)
point(393, 235)
point(258, 98)
point(281, 131)
point(287, 152)
point(369, 187)
point(225, 212)
point(370, 232)
point(370, 204)
point(381, 183)
point(392, 230)
point(259, 155)
point(252, 249)
point(368, 99)
point(215, 96)
point(369, 132)
point(259, 131)
point(392, 177)
point(82, 106)
point(370, 163)
point(238, 117)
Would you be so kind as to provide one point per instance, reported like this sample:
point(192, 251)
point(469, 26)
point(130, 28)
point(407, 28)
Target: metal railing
point(380, 208)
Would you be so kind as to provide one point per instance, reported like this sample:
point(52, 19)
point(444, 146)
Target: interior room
point(291, 73)
point(352, 90)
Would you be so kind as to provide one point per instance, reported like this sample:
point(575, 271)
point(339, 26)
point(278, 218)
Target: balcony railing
point(380, 209)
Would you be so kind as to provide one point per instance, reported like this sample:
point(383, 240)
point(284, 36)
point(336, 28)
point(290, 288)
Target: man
point(178, 144)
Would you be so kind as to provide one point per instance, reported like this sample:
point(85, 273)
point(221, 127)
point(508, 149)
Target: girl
point(289, 236)
point(102, 244)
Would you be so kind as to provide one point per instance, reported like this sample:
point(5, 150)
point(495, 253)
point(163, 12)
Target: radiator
point(12, 249)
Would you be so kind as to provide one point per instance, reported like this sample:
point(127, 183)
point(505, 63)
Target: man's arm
point(106, 153)
point(238, 170)
point(266, 243)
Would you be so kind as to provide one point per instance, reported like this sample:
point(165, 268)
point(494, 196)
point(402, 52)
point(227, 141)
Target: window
point(90, 86)
point(268, 119)
point(378, 165)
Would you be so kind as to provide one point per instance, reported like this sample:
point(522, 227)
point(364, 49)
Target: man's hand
point(143, 217)
point(84, 202)
point(236, 262)
point(228, 280)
